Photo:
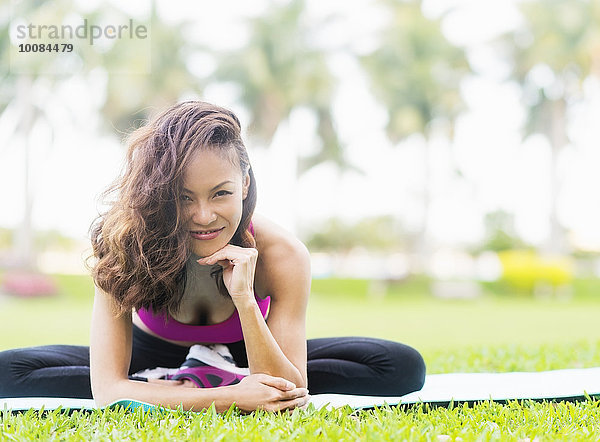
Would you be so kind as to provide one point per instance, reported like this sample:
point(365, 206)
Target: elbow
point(303, 382)
point(299, 380)
point(295, 376)
point(102, 401)
point(102, 396)
point(105, 392)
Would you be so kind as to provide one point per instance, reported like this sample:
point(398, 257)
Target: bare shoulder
point(280, 253)
point(274, 243)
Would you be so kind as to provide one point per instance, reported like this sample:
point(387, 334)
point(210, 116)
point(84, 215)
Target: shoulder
point(280, 253)
point(274, 242)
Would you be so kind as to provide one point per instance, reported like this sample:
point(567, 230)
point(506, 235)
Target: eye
point(185, 198)
point(223, 193)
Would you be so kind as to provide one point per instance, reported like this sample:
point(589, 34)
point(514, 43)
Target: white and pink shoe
point(208, 367)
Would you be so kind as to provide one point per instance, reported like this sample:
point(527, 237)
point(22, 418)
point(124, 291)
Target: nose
point(203, 214)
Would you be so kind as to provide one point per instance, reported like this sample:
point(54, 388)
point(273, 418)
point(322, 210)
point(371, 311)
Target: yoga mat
point(571, 384)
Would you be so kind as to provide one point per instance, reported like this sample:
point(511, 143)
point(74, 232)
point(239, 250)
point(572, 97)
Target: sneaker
point(211, 366)
point(155, 373)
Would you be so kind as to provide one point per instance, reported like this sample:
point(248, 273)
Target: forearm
point(264, 353)
point(171, 396)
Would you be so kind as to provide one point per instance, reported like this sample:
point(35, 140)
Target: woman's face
point(213, 191)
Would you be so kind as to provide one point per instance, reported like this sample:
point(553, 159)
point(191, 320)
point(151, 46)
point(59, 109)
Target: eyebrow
point(213, 189)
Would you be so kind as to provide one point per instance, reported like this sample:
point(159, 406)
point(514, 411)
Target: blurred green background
point(437, 158)
point(498, 331)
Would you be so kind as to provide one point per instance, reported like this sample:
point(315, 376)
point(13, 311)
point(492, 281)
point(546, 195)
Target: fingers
point(279, 383)
point(296, 393)
point(289, 396)
point(219, 255)
point(229, 253)
point(288, 389)
point(301, 402)
point(222, 262)
point(290, 404)
point(269, 393)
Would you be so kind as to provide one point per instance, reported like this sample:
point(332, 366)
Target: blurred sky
point(499, 171)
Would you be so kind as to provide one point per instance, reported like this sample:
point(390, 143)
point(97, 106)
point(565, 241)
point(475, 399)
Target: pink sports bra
point(224, 332)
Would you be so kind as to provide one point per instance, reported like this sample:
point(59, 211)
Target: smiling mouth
point(206, 234)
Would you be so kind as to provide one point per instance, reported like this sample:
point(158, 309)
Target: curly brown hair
point(140, 243)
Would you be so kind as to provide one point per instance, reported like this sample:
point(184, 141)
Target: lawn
point(497, 332)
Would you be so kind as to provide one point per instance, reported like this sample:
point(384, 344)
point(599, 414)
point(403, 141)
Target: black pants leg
point(363, 366)
point(150, 352)
point(348, 365)
point(47, 371)
point(64, 370)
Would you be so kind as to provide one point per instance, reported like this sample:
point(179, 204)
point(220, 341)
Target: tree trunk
point(24, 255)
point(423, 246)
point(556, 242)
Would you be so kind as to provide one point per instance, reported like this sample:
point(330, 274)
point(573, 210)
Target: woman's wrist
point(244, 302)
point(224, 397)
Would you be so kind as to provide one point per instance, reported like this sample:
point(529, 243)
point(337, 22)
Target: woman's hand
point(239, 264)
point(264, 392)
point(257, 391)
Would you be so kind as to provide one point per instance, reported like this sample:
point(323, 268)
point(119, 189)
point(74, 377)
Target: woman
point(182, 262)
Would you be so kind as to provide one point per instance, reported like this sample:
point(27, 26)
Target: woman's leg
point(364, 366)
point(47, 371)
point(64, 370)
point(149, 352)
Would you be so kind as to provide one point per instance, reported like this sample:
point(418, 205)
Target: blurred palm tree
point(151, 80)
point(279, 70)
point(416, 72)
point(17, 93)
point(132, 90)
point(554, 53)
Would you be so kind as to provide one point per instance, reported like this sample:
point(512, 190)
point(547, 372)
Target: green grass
point(498, 332)
point(61, 319)
point(486, 421)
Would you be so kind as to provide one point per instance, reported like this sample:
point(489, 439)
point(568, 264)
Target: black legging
point(348, 365)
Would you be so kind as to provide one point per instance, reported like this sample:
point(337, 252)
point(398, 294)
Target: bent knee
point(9, 377)
point(414, 370)
point(409, 370)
